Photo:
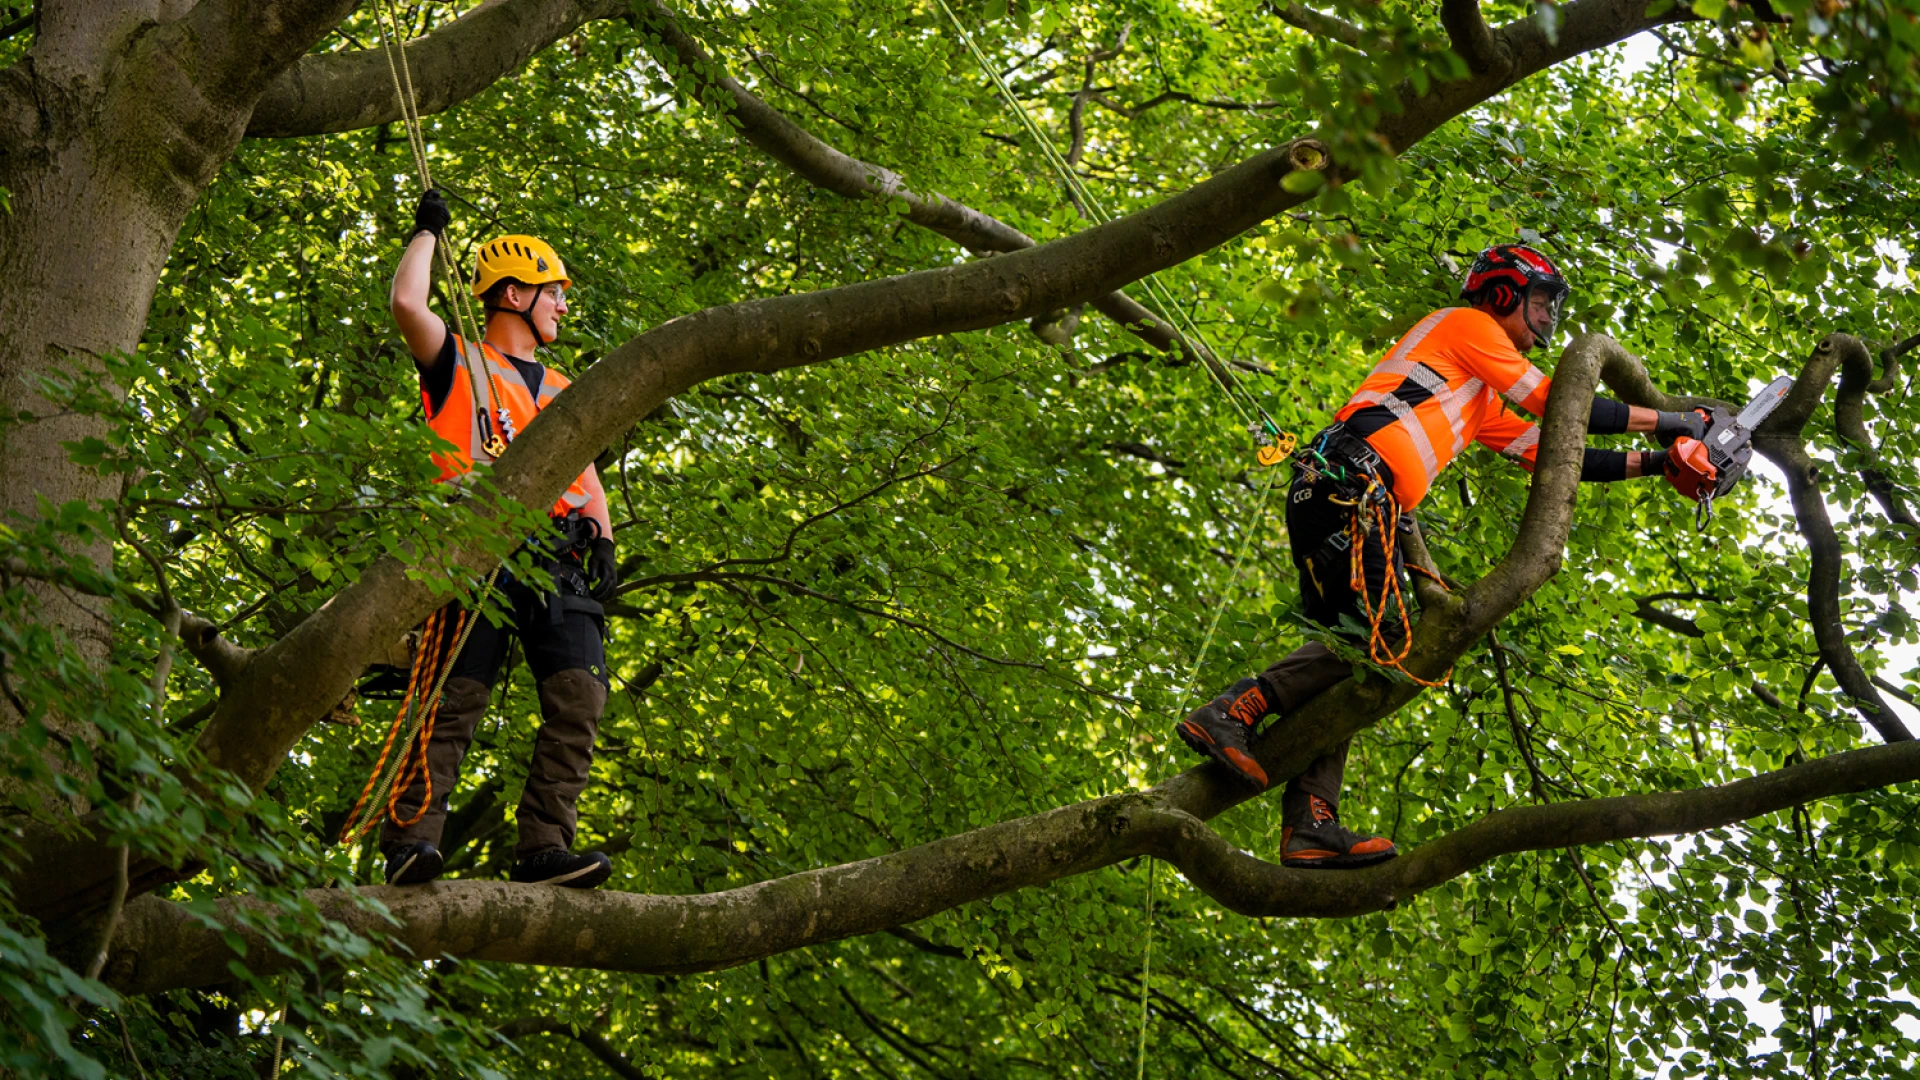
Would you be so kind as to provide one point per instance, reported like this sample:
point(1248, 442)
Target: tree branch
point(1467, 30)
point(1849, 419)
point(1780, 441)
point(346, 91)
point(823, 166)
point(171, 947)
point(1327, 27)
point(223, 659)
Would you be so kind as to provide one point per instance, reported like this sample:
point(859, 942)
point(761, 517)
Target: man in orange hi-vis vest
point(1437, 389)
point(478, 396)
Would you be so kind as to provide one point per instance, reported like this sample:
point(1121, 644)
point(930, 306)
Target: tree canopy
point(934, 520)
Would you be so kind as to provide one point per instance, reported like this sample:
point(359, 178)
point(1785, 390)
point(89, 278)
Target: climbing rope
point(466, 321)
point(413, 722)
point(1146, 976)
point(1090, 205)
point(412, 726)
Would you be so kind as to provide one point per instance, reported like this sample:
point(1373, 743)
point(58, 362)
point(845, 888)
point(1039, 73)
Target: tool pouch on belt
point(563, 552)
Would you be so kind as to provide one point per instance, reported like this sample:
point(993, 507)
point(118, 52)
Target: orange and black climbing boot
point(1325, 844)
point(1222, 729)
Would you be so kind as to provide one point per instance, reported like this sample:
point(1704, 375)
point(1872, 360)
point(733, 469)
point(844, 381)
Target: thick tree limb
point(247, 43)
point(820, 164)
point(1467, 30)
point(290, 685)
point(163, 946)
point(346, 91)
point(1780, 440)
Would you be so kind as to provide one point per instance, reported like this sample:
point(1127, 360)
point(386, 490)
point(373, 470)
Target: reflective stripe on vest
point(458, 420)
point(1434, 388)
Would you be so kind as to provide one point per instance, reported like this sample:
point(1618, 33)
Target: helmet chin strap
point(526, 316)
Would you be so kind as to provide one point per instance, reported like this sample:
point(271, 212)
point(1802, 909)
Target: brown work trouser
point(571, 702)
point(1292, 682)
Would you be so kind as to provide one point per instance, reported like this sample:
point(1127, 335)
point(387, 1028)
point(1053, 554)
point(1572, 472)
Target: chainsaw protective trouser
point(561, 633)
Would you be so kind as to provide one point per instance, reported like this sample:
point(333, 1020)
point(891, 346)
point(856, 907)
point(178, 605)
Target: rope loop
point(1380, 503)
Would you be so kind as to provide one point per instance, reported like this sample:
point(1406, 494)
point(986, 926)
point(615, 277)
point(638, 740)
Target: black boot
point(413, 864)
point(1222, 729)
point(1322, 843)
point(558, 866)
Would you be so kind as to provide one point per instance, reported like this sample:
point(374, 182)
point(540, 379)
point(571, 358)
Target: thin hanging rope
point(467, 322)
point(1091, 205)
point(1146, 975)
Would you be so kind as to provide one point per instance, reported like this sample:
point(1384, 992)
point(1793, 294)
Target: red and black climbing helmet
point(1503, 273)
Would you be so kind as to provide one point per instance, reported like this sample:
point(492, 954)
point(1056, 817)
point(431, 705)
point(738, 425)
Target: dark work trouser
point(1314, 520)
point(563, 636)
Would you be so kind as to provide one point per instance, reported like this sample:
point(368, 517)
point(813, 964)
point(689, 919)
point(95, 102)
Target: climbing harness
point(1353, 472)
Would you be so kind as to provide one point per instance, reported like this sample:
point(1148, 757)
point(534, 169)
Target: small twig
point(126, 1040)
point(1903, 694)
point(1520, 738)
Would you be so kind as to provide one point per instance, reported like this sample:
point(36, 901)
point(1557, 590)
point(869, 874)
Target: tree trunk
point(110, 130)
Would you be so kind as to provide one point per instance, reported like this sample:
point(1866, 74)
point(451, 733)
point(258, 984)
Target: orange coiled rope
point(1380, 650)
point(412, 728)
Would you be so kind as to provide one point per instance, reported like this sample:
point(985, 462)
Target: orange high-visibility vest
point(458, 420)
point(1440, 386)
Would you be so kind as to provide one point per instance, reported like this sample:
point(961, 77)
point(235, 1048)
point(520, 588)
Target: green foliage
point(966, 579)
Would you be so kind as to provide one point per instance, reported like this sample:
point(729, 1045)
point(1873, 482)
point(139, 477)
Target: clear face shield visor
point(1544, 305)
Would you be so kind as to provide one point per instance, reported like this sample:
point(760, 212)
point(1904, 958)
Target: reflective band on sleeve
point(1523, 386)
point(1418, 333)
point(1523, 442)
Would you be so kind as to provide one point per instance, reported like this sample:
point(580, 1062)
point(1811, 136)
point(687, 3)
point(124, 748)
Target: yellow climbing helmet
point(527, 259)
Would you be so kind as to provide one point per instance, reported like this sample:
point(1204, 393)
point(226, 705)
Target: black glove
point(1668, 426)
point(603, 570)
point(430, 215)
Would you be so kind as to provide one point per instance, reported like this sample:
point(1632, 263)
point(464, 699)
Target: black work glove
point(1668, 426)
point(430, 215)
point(603, 570)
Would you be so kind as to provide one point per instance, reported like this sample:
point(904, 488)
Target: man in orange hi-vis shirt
point(1440, 387)
point(478, 396)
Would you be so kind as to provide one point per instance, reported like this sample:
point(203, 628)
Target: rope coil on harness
point(412, 727)
point(1386, 511)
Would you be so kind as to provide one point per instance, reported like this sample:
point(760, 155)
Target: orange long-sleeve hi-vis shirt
point(1440, 386)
